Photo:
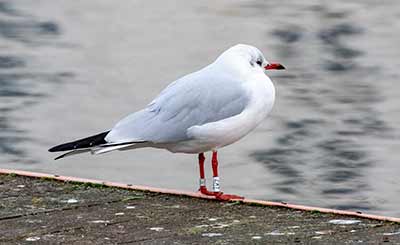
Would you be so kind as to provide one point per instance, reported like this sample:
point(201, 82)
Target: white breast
point(224, 132)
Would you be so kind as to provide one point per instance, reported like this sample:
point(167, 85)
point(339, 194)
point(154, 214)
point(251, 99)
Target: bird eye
point(259, 62)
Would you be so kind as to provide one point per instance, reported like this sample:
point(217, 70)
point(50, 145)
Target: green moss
point(233, 203)
point(71, 188)
point(257, 205)
point(87, 184)
point(46, 179)
point(37, 200)
point(129, 198)
point(315, 212)
point(94, 185)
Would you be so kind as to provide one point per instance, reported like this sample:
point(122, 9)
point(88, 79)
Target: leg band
point(216, 186)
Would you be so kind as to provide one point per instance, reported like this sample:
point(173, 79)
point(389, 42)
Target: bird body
point(205, 110)
point(202, 111)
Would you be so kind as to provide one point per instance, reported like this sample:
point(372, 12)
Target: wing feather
point(195, 99)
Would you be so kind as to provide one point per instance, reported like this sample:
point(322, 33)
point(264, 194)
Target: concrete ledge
point(49, 209)
point(197, 195)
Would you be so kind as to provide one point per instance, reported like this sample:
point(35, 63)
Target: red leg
point(203, 187)
point(214, 164)
point(216, 186)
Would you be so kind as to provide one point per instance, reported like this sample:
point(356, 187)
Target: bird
point(201, 112)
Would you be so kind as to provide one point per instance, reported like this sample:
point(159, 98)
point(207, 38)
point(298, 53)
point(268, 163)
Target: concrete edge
point(196, 195)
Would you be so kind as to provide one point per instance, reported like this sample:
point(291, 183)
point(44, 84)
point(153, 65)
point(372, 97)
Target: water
point(69, 69)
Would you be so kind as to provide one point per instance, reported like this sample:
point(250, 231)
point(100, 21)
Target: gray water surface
point(69, 69)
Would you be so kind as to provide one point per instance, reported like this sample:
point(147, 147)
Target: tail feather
point(95, 144)
point(88, 142)
point(103, 149)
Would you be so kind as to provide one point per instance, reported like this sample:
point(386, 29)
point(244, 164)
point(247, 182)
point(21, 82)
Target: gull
point(200, 112)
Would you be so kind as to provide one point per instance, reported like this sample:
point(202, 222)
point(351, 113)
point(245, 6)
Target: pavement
point(46, 211)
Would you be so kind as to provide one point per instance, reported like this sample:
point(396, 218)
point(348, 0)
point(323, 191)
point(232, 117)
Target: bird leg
point(214, 164)
point(202, 180)
point(216, 186)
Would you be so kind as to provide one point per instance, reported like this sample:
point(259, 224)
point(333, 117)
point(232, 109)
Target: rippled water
point(69, 69)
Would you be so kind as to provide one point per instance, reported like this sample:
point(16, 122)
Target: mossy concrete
point(50, 212)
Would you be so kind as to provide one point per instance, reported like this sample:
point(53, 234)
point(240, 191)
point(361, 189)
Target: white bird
point(203, 111)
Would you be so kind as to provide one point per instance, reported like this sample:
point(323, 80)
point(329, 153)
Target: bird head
point(246, 56)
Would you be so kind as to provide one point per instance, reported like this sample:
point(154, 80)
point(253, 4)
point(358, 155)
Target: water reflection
point(19, 88)
point(289, 34)
point(8, 61)
point(341, 102)
point(7, 9)
point(18, 26)
point(343, 55)
point(27, 31)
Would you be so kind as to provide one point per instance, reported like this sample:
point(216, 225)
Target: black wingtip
point(59, 157)
point(65, 147)
point(90, 141)
point(63, 155)
point(62, 147)
point(73, 152)
point(53, 149)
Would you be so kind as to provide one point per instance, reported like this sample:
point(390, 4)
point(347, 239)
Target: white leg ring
point(216, 185)
point(202, 182)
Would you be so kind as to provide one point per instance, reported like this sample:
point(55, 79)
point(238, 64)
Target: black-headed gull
point(200, 112)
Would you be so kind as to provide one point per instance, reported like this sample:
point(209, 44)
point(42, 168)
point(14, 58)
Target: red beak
point(274, 66)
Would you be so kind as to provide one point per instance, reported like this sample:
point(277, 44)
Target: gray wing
point(195, 99)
